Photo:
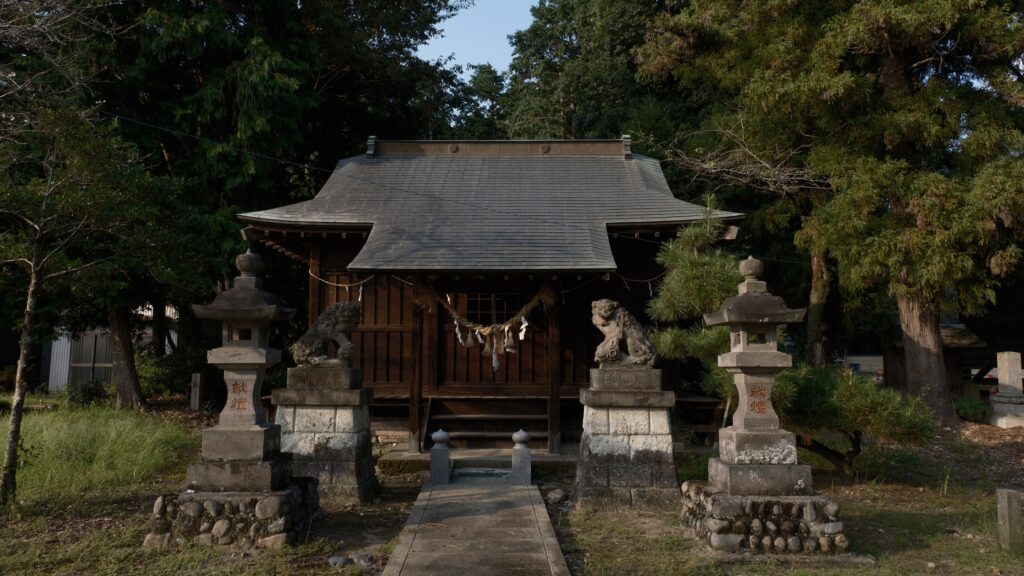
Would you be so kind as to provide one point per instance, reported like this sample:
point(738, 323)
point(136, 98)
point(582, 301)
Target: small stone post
point(440, 459)
point(196, 392)
point(1009, 504)
point(1008, 403)
point(522, 474)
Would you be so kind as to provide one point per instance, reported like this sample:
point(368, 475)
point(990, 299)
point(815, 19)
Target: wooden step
point(489, 417)
point(455, 435)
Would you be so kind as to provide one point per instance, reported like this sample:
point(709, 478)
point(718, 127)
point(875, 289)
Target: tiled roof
point(516, 206)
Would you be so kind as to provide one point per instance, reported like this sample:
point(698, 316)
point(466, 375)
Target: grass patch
point(692, 467)
point(70, 453)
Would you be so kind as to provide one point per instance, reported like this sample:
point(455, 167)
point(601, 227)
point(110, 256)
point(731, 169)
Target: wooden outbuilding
point(476, 263)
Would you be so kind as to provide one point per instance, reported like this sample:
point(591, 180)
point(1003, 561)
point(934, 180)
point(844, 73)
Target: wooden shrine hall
point(476, 263)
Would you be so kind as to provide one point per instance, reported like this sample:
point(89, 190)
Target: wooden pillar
point(555, 376)
point(430, 336)
point(314, 284)
point(416, 384)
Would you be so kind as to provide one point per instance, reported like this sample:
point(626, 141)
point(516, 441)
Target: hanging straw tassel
point(458, 333)
point(494, 355)
point(522, 330)
point(510, 341)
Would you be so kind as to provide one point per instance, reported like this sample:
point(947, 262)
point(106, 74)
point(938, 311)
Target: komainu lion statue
point(336, 323)
point(619, 326)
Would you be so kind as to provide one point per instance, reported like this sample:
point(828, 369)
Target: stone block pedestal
point(325, 427)
point(626, 448)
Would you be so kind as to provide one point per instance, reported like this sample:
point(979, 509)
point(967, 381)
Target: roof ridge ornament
point(371, 145)
point(627, 147)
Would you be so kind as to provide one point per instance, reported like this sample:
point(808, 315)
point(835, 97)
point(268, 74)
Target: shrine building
point(476, 263)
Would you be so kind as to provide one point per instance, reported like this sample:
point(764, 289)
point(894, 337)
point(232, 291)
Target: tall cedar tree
point(237, 101)
point(573, 74)
point(911, 113)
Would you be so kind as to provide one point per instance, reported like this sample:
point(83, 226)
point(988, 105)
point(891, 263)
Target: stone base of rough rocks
point(807, 524)
point(241, 520)
point(332, 444)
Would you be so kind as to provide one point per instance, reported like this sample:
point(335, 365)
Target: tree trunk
point(9, 485)
point(926, 367)
point(123, 375)
point(817, 329)
point(159, 342)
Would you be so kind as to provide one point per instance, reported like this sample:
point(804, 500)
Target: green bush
point(167, 375)
point(833, 411)
point(70, 453)
point(971, 409)
point(87, 393)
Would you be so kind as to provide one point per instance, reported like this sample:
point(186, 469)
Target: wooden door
point(466, 370)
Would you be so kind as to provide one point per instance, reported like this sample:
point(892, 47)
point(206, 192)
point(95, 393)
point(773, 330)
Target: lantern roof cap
point(246, 299)
point(754, 304)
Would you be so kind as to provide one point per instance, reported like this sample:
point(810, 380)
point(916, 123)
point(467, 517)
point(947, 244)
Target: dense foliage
point(832, 412)
point(899, 123)
point(131, 133)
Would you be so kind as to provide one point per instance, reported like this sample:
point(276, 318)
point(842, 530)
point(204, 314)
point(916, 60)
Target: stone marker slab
point(1010, 515)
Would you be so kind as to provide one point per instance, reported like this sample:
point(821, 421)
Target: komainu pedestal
point(758, 497)
point(626, 448)
point(324, 412)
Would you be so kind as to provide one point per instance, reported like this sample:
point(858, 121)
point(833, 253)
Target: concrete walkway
point(479, 524)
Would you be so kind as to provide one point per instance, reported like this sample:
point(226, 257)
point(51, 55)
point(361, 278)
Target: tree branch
point(75, 269)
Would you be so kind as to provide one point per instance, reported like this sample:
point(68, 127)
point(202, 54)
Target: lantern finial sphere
point(751, 268)
point(249, 264)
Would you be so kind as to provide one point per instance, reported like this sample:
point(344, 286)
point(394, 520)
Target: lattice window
point(487, 309)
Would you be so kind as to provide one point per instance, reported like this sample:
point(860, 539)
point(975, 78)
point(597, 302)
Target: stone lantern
point(754, 439)
point(242, 452)
point(242, 493)
point(758, 499)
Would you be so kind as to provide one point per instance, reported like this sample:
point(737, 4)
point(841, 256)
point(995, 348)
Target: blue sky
point(479, 34)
